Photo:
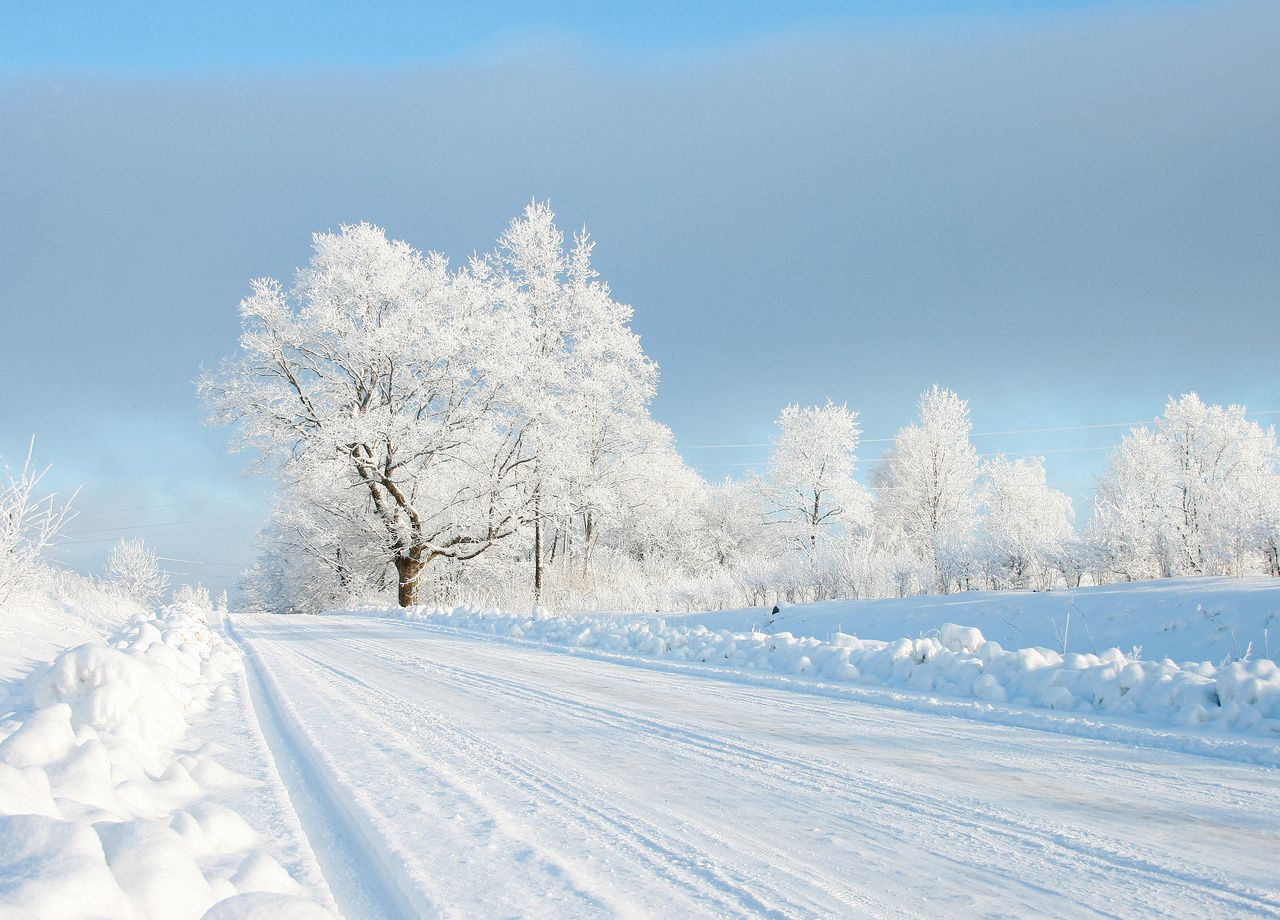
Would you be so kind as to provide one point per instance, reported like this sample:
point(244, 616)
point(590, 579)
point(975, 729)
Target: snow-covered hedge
point(100, 816)
point(958, 661)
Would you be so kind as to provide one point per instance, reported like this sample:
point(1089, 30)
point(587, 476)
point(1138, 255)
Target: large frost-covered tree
point(585, 384)
point(924, 485)
point(416, 413)
point(389, 375)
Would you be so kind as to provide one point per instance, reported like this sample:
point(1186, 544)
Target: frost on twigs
point(29, 523)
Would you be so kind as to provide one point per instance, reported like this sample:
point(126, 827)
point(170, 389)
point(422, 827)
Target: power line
point(977, 434)
point(206, 575)
point(203, 501)
point(999, 453)
point(226, 517)
point(168, 533)
point(199, 562)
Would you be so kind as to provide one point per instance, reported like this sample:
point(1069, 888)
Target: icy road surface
point(445, 773)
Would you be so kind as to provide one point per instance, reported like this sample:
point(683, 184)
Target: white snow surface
point(64, 609)
point(937, 656)
point(107, 810)
point(1185, 619)
point(476, 763)
point(461, 773)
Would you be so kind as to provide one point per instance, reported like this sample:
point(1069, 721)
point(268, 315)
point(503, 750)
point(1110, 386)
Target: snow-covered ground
point(127, 771)
point(1185, 619)
point(66, 609)
point(387, 763)
point(467, 774)
point(923, 652)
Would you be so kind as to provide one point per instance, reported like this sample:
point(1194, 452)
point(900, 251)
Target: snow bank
point(100, 815)
point(1213, 618)
point(60, 610)
point(958, 661)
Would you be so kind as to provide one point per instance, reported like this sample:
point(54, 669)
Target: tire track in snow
point(664, 856)
point(1016, 831)
point(356, 872)
point(1005, 832)
point(370, 746)
point(780, 858)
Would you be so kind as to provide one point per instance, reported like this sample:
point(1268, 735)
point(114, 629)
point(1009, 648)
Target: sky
point(1066, 212)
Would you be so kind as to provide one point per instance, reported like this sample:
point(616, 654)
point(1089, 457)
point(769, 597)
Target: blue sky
point(1065, 213)
point(245, 36)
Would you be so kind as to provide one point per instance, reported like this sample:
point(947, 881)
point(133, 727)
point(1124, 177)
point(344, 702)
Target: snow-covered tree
point(925, 486)
point(585, 384)
point(1129, 515)
point(415, 413)
point(1220, 458)
point(810, 488)
point(1026, 525)
point(29, 523)
point(732, 525)
point(134, 569)
point(1188, 496)
point(197, 595)
point(390, 376)
point(1265, 524)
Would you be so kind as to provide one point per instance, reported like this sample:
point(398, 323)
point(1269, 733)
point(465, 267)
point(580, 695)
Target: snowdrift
point(100, 815)
point(60, 609)
point(1212, 618)
point(1241, 696)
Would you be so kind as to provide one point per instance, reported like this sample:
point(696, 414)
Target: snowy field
point(1186, 619)
point(386, 763)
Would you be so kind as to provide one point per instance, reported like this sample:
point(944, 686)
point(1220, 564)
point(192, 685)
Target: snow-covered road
point(443, 772)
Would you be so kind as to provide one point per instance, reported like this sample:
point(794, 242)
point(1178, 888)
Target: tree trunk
point(408, 570)
point(588, 539)
point(537, 545)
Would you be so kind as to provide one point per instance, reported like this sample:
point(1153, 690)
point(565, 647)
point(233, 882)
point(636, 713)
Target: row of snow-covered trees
point(1196, 493)
point(482, 433)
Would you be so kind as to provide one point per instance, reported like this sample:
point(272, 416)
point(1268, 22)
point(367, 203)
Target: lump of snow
point(156, 868)
point(961, 638)
point(260, 872)
point(45, 737)
point(224, 830)
point(113, 692)
point(1058, 698)
point(25, 792)
point(263, 905)
point(53, 868)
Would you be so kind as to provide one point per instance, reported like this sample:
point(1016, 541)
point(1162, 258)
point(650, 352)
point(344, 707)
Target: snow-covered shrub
point(196, 595)
point(29, 523)
point(134, 569)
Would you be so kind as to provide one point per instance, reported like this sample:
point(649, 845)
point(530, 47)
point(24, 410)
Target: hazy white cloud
point(1039, 212)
